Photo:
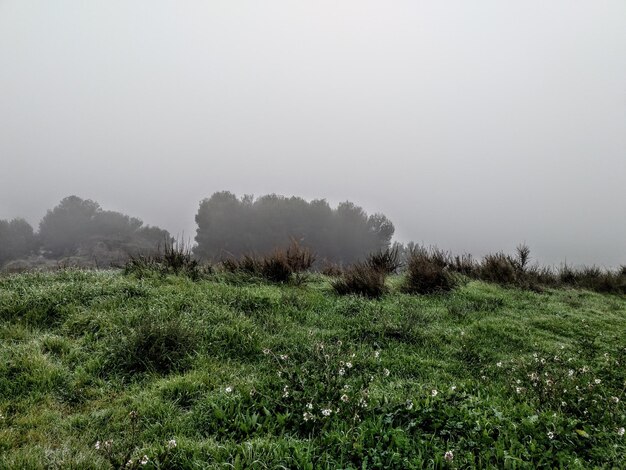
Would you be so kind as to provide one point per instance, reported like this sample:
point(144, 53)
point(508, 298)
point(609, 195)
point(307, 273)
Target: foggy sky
point(472, 125)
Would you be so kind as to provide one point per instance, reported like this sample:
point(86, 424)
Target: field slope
point(102, 370)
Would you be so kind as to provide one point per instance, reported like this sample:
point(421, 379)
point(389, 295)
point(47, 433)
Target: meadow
point(102, 369)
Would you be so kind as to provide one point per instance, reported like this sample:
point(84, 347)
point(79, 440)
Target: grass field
point(103, 370)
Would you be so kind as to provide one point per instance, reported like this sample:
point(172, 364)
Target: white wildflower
point(144, 460)
point(448, 456)
point(597, 381)
point(342, 371)
point(499, 364)
point(307, 416)
point(570, 372)
point(228, 389)
point(434, 392)
point(344, 398)
point(376, 354)
point(409, 405)
point(326, 412)
point(386, 372)
point(171, 443)
point(550, 435)
point(615, 399)
point(309, 406)
point(97, 446)
point(620, 432)
point(453, 388)
point(349, 365)
point(284, 357)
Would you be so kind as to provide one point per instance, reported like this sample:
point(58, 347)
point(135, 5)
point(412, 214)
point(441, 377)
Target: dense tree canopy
point(17, 240)
point(78, 226)
point(229, 227)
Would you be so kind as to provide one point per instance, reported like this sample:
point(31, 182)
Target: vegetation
point(104, 370)
point(77, 232)
point(229, 227)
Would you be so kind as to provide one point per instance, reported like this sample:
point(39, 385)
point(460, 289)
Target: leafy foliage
point(232, 227)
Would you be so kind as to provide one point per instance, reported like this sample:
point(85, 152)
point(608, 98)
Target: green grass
point(240, 372)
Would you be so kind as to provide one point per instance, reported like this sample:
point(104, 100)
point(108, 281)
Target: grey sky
point(472, 125)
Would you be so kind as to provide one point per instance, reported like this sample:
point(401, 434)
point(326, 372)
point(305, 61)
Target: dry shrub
point(427, 272)
point(361, 279)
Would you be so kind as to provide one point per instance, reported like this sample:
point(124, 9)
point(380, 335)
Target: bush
point(387, 261)
point(277, 266)
point(176, 258)
point(361, 279)
point(427, 272)
point(498, 268)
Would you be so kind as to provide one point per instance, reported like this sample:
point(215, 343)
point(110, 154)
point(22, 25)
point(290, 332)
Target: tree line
point(227, 227)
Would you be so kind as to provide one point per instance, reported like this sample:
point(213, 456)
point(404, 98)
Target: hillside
point(99, 369)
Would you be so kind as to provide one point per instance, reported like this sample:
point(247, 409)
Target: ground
point(104, 370)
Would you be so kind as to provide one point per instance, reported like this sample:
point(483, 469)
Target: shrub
point(427, 273)
point(387, 261)
point(176, 258)
point(277, 266)
point(498, 268)
point(361, 279)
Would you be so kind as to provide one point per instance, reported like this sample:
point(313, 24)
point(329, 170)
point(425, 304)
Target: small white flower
point(434, 392)
point(228, 389)
point(349, 365)
point(518, 381)
point(448, 456)
point(342, 371)
point(615, 399)
point(453, 388)
point(284, 357)
point(144, 460)
point(97, 446)
point(386, 372)
point(108, 444)
point(597, 381)
point(362, 403)
point(376, 354)
point(570, 372)
point(409, 405)
point(344, 398)
point(620, 432)
point(171, 443)
point(326, 412)
point(518, 389)
point(309, 406)
point(307, 416)
point(499, 364)
point(550, 435)
point(129, 463)
point(563, 403)
point(285, 391)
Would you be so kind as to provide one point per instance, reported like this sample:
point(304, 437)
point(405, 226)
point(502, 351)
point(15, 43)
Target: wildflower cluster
point(585, 391)
point(330, 381)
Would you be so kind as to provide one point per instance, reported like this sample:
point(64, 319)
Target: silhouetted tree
point(78, 226)
point(17, 240)
point(231, 227)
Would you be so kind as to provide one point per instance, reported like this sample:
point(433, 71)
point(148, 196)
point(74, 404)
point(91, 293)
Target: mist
point(471, 126)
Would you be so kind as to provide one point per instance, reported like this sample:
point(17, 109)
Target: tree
point(17, 240)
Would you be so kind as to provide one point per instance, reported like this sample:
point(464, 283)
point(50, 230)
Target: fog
point(472, 126)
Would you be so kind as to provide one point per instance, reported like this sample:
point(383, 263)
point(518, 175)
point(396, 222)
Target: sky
point(473, 126)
